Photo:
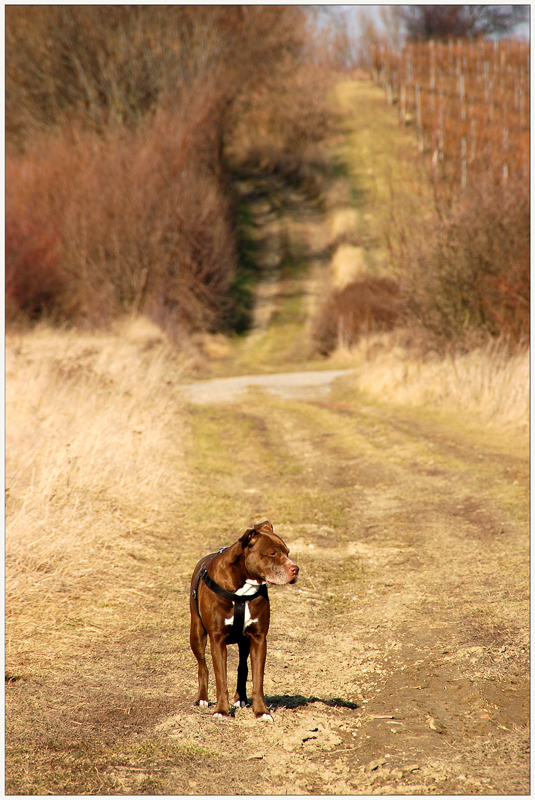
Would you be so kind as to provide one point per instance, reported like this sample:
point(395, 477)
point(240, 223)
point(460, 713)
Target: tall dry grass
point(488, 383)
point(93, 461)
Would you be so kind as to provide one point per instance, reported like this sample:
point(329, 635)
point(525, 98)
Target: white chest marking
point(249, 587)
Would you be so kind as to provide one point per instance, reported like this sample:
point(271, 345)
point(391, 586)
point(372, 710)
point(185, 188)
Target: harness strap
point(195, 591)
point(238, 600)
point(234, 598)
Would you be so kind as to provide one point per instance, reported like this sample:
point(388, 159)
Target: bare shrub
point(284, 120)
point(435, 22)
point(141, 221)
point(364, 305)
point(110, 64)
point(103, 65)
point(466, 266)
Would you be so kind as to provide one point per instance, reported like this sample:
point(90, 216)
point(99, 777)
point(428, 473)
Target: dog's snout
point(294, 572)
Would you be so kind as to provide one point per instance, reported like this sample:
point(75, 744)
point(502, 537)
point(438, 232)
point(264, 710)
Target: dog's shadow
point(299, 700)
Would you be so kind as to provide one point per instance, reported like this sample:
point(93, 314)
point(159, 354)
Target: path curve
point(289, 385)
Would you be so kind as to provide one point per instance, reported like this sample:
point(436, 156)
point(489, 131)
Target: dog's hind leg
point(218, 646)
point(197, 640)
point(240, 698)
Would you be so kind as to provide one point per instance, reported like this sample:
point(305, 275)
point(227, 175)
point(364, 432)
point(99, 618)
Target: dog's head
point(266, 556)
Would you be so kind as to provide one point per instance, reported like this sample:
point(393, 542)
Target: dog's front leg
point(219, 659)
point(258, 662)
point(240, 698)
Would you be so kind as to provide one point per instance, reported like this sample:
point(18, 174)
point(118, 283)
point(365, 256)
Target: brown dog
point(229, 603)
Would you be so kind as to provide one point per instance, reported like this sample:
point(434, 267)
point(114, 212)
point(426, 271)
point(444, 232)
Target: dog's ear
point(264, 527)
point(247, 537)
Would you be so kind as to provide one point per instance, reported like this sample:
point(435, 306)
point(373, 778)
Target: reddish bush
point(365, 305)
point(35, 286)
point(127, 211)
point(143, 223)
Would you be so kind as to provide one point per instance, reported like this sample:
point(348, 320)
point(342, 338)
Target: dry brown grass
point(97, 487)
point(93, 458)
point(489, 382)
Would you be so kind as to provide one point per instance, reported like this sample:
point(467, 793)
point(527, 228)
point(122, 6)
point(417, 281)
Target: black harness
point(238, 600)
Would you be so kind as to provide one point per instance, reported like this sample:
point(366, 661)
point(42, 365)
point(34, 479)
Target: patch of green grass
point(292, 504)
point(290, 310)
point(225, 441)
point(283, 346)
point(383, 165)
point(215, 437)
point(231, 451)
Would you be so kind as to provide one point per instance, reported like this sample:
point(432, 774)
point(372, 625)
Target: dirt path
point(399, 664)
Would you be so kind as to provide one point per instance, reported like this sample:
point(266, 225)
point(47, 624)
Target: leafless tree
point(444, 22)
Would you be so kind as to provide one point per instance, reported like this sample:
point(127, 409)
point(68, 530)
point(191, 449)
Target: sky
point(353, 13)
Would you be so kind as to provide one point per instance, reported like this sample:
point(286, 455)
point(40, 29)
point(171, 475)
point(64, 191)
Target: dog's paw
point(203, 703)
point(219, 715)
point(240, 704)
point(266, 717)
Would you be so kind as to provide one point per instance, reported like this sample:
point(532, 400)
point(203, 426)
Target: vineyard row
point(469, 101)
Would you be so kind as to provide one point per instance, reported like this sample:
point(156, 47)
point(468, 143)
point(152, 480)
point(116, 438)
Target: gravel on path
point(289, 385)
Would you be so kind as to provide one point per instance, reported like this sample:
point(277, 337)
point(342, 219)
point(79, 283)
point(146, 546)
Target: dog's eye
point(271, 555)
